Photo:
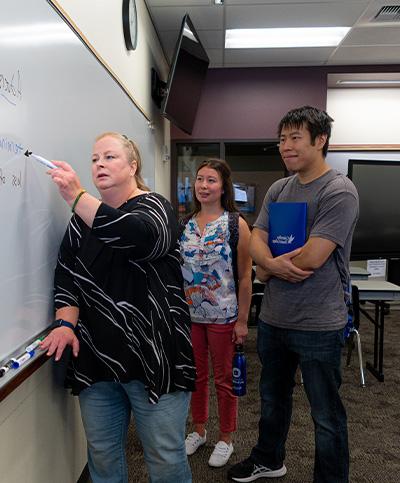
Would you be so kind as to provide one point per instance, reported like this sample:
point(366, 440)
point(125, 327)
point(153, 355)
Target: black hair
point(317, 122)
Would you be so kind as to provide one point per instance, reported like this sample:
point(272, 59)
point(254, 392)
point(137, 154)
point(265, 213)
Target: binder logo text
point(283, 239)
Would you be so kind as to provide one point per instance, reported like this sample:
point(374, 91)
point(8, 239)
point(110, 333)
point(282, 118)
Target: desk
point(358, 273)
point(377, 292)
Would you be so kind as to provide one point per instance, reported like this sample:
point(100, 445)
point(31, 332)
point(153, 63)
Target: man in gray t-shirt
point(304, 310)
point(317, 303)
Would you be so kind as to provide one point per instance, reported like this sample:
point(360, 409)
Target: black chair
point(352, 329)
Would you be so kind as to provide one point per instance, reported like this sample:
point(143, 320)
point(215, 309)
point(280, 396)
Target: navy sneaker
point(247, 471)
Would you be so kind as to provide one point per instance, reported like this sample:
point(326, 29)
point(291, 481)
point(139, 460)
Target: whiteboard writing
point(10, 146)
point(13, 179)
point(11, 87)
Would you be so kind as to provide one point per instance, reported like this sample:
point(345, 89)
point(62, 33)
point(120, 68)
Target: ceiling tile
point(373, 9)
point(296, 15)
point(373, 35)
point(177, 3)
point(289, 56)
point(365, 55)
point(210, 39)
point(203, 18)
point(216, 57)
point(366, 43)
point(268, 2)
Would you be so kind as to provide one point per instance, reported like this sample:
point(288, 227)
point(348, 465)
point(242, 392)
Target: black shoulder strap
point(233, 225)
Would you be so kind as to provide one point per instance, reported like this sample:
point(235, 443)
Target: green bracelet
point(77, 199)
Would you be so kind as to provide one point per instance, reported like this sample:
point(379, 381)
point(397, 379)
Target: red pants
point(216, 339)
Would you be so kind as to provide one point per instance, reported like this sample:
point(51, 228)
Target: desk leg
point(379, 323)
point(376, 326)
point(381, 335)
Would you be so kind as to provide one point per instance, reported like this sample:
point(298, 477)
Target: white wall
point(364, 116)
point(41, 435)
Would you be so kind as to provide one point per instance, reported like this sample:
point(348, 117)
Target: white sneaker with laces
point(221, 454)
point(193, 442)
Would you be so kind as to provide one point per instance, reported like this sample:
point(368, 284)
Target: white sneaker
point(221, 454)
point(193, 442)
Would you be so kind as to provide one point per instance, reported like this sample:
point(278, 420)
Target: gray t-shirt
point(317, 303)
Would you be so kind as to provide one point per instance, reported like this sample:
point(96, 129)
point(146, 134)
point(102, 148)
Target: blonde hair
point(132, 151)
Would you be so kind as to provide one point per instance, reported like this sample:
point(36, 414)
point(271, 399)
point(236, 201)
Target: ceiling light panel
point(364, 79)
point(380, 82)
point(284, 37)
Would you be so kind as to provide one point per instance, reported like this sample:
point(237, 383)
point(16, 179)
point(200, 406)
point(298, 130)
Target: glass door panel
point(255, 166)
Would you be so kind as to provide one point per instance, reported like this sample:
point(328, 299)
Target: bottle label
point(236, 372)
point(239, 381)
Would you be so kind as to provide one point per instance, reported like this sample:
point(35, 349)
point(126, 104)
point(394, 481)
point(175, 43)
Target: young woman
point(216, 268)
point(120, 304)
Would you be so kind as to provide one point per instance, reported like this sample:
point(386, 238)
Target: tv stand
point(158, 88)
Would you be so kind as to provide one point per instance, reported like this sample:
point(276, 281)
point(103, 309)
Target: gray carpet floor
point(373, 414)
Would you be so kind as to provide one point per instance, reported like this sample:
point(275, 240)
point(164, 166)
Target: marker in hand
point(42, 160)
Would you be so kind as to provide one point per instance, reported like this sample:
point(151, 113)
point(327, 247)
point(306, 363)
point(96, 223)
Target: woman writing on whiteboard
point(217, 273)
point(120, 305)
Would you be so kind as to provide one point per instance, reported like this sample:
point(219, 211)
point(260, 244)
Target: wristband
point(77, 199)
point(63, 323)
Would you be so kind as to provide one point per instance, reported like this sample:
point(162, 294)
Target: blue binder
point(287, 227)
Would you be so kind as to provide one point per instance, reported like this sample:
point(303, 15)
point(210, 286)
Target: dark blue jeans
point(319, 357)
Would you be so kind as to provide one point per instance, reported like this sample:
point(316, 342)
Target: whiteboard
point(55, 98)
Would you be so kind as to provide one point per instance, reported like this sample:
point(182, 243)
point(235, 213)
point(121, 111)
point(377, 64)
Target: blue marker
point(6, 368)
point(16, 363)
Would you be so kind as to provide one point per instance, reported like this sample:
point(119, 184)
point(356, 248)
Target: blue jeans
point(319, 357)
point(106, 410)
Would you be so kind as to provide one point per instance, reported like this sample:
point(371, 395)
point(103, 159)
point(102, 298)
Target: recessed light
point(284, 37)
point(368, 82)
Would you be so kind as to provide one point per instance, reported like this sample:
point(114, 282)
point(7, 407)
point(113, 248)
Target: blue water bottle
point(239, 371)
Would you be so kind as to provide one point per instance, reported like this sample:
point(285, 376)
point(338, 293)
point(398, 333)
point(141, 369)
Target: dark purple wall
point(248, 103)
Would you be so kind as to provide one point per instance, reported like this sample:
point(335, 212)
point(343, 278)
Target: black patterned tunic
point(125, 277)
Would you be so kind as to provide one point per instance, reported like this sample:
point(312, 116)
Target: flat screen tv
point(186, 78)
point(377, 233)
